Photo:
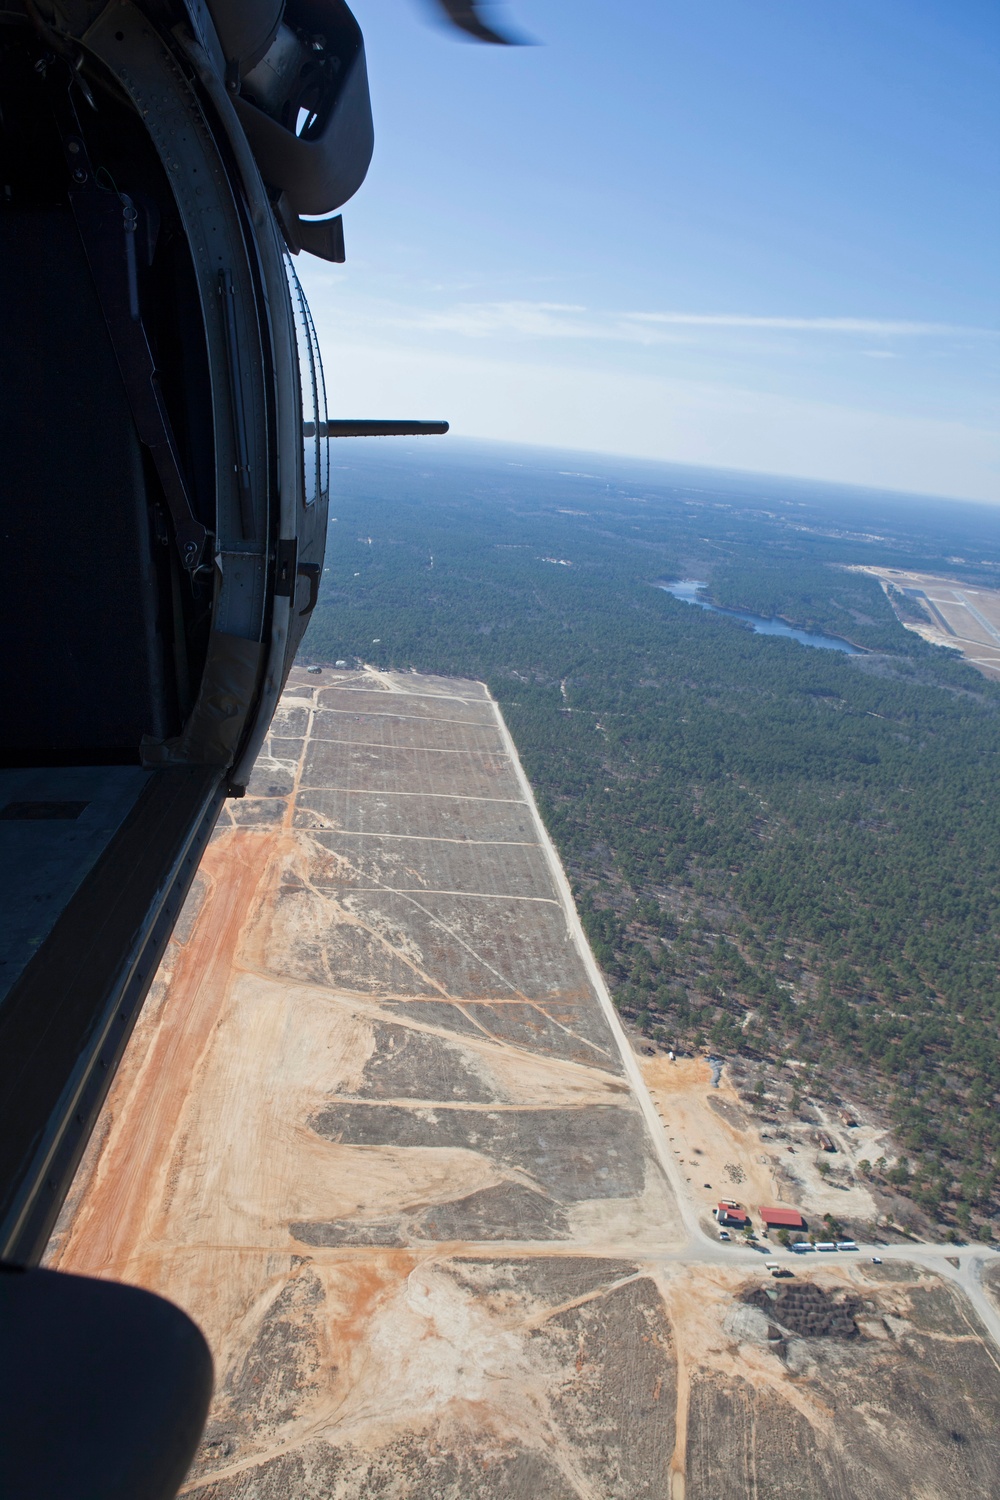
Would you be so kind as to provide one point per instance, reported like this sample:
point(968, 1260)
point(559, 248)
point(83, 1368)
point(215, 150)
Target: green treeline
point(849, 606)
point(774, 849)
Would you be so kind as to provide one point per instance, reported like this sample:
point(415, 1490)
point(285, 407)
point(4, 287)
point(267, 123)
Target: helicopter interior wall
point(82, 671)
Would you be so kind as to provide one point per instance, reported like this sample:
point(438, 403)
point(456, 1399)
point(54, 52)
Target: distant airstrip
point(966, 619)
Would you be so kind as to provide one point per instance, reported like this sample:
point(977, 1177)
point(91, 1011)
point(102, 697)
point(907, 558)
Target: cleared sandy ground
point(724, 1152)
point(380, 1133)
point(964, 618)
point(376, 1132)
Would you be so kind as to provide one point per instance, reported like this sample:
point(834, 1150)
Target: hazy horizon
point(729, 473)
point(674, 471)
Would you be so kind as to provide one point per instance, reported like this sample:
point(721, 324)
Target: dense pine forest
point(776, 850)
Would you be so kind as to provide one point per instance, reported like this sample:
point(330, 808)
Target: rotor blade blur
point(466, 15)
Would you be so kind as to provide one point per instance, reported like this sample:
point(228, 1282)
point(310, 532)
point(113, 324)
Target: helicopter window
point(315, 450)
point(324, 442)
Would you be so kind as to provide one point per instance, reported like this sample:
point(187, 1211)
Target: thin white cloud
point(522, 319)
point(880, 326)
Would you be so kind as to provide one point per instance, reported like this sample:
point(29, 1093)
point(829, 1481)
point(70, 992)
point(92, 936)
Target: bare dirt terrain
point(380, 1133)
point(850, 1384)
point(372, 1093)
point(726, 1153)
point(947, 613)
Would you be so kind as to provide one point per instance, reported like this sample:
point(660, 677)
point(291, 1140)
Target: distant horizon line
point(605, 455)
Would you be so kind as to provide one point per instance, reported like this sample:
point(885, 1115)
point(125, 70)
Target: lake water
point(687, 590)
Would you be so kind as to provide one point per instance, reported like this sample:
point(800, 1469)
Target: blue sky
point(747, 233)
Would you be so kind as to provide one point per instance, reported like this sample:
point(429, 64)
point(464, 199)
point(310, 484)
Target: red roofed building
point(782, 1218)
point(726, 1214)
